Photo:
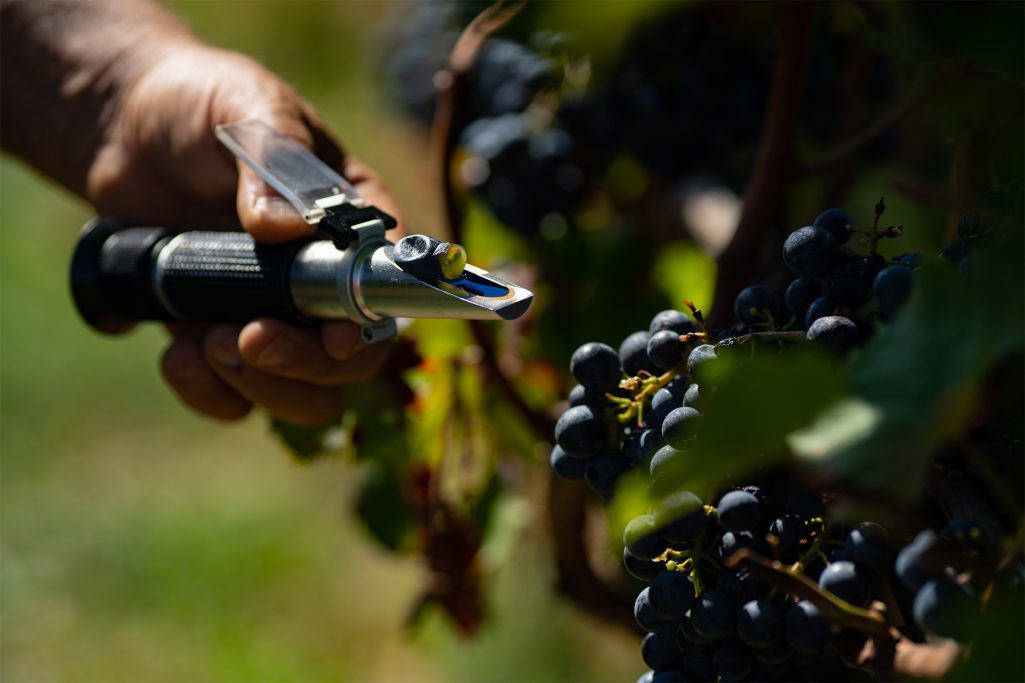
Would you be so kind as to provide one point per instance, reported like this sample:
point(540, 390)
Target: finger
point(264, 213)
point(188, 374)
point(372, 188)
point(343, 341)
point(291, 400)
point(326, 357)
point(324, 144)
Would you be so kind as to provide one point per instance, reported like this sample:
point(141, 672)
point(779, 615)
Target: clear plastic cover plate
point(291, 169)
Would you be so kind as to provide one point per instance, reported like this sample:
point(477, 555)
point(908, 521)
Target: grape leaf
point(759, 399)
point(383, 509)
point(919, 376)
point(308, 443)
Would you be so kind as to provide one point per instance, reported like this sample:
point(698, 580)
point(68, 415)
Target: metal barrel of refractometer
point(123, 275)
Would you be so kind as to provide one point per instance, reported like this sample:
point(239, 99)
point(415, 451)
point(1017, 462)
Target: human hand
point(160, 162)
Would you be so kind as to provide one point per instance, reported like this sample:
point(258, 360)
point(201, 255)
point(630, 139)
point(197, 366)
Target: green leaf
point(760, 398)
point(917, 380)
point(845, 423)
point(308, 443)
point(376, 422)
point(382, 507)
point(685, 272)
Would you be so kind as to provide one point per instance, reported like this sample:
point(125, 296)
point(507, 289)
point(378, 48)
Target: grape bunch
point(832, 279)
point(707, 620)
point(709, 612)
point(589, 444)
point(614, 424)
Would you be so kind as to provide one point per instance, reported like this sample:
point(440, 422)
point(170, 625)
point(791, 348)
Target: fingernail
point(281, 351)
point(226, 353)
point(273, 207)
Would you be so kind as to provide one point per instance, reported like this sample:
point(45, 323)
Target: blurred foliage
point(920, 376)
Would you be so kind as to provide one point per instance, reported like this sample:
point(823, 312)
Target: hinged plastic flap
point(291, 169)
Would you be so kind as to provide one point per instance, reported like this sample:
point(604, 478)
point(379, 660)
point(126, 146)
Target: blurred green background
point(143, 543)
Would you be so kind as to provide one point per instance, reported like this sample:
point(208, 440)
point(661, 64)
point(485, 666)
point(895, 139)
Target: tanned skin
point(118, 101)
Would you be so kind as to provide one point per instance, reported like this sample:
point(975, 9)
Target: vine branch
point(881, 649)
point(870, 132)
point(903, 109)
point(775, 161)
point(452, 86)
point(567, 501)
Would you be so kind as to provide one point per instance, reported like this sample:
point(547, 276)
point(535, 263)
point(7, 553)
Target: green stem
point(815, 551)
point(834, 609)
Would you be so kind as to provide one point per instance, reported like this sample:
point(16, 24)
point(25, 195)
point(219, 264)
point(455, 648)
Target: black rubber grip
point(226, 276)
point(121, 275)
point(111, 275)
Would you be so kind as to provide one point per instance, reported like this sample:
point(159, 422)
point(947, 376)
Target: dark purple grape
point(819, 308)
point(943, 608)
point(868, 545)
point(700, 358)
point(759, 624)
point(741, 587)
point(836, 222)
point(640, 568)
point(849, 283)
point(712, 614)
point(834, 333)
point(671, 594)
point(733, 541)
point(688, 634)
point(926, 557)
point(567, 466)
point(679, 425)
point(674, 321)
point(633, 353)
point(845, 581)
point(692, 397)
point(912, 261)
point(800, 294)
point(662, 403)
point(665, 350)
point(791, 533)
point(739, 511)
point(810, 251)
point(757, 304)
point(596, 367)
point(604, 470)
point(806, 629)
point(733, 660)
point(699, 668)
point(681, 517)
point(581, 431)
point(646, 616)
point(892, 288)
point(640, 447)
point(662, 459)
point(578, 396)
point(643, 538)
point(658, 655)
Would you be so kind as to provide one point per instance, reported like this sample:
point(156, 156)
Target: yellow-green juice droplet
point(452, 259)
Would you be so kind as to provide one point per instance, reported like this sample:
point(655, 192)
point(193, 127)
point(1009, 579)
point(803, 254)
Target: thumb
point(265, 214)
